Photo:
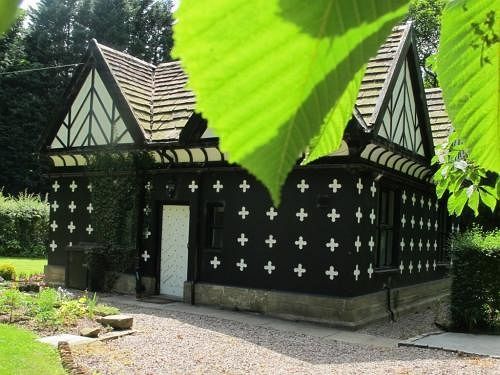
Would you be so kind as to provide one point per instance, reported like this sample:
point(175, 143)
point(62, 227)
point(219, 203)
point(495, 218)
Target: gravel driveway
point(180, 343)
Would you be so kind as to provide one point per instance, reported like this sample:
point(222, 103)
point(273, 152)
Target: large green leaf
point(468, 72)
point(8, 9)
point(268, 74)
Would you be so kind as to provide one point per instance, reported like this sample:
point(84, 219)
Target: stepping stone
point(117, 321)
point(70, 339)
point(90, 331)
point(114, 335)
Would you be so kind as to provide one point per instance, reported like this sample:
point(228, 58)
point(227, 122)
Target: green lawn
point(28, 266)
point(20, 354)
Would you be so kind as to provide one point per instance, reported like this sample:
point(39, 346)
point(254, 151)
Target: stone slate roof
point(162, 105)
point(440, 122)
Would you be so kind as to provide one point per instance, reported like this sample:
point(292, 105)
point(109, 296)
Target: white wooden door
point(174, 250)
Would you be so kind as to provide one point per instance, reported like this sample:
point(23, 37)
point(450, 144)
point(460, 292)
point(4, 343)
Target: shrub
point(7, 271)
point(24, 225)
point(44, 307)
point(105, 310)
point(10, 300)
point(475, 291)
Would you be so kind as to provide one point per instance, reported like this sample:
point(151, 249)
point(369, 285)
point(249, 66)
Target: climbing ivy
point(117, 182)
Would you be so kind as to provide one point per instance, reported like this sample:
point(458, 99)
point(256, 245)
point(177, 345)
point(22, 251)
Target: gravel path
point(179, 343)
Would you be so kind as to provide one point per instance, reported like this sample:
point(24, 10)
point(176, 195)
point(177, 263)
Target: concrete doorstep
point(482, 345)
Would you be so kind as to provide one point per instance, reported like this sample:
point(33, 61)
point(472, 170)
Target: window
point(386, 230)
point(215, 225)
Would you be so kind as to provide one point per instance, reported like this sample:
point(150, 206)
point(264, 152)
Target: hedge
point(24, 225)
point(475, 291)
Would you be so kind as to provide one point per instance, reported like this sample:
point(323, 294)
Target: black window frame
point(214, 229)
point(388, 226)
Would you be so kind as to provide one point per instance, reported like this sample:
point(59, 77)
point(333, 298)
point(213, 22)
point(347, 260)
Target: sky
point(27, 3)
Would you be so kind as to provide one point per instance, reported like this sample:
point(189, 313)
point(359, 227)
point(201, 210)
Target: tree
point(426, 17)
point(110, 23)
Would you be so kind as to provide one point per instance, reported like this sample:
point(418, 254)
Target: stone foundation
point(352, 313)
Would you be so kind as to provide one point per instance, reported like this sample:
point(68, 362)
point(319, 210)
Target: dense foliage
point(24, 225)
point(475, 293)
point(56, 33)
point(7, 271)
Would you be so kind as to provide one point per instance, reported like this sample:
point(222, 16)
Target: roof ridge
point(124, 54)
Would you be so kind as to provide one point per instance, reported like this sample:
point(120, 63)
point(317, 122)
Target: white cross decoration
point(371, 243)
point(70, 243)
point(370, 271)
point(299, 270)
point(145, 255)
point(146, 233)
point(436, 205)
point(429, 203)
point(413, 199)
point(410, 267)
point(335, 186)
point(269, 267)
point(215, 263)
point(54, 226)
point(90, 208)
point(54, 206)
point(359, 186)
point(333, 215)
point(427, 265)
point(357, 244)
point(412, 221)
point(411, 244)
point(242, 239)
point(428, 245)
point(358, 215)
point(243, 212)
point(56, 186)
point(89, 229)
point(332, 244)
point(218, 186)
point(331, 273)
point(301, 242)
point(434, 265)
point(435, 245)
point(422, 201)
point(271, 213)
point(303, 186)
point(356, 272)
point(301, 214)
point(403, 197)
point(270, 241)
point(436, 226)
point(421, 223)
point(373, 189)
point(148, 186)
point(147, 210)
point(71, 227)
point(53, 246)
point(452, 228)
point(372, 216)
point(419, 266)
point(73, 186)
point(244, 186)
point(192, 186)
point(458, 228)
point(89, 187)
point(241, 264)
point(403, 221)
point(401, 267)
point(72, 206)
point(420, 245)
point(402, 244)
point(429, 225)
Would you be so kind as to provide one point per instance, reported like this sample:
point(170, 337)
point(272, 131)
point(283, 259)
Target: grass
point(27, 266)
point(20, 354)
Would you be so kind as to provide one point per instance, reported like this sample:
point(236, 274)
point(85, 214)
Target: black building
point(356, 231)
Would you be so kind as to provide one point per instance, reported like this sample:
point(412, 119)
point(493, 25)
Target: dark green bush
point(7, 271)
point(475, 291)
point(24, 225)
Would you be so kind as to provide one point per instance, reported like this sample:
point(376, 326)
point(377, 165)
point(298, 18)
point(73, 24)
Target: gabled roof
point(440, 122)
point(160, 107)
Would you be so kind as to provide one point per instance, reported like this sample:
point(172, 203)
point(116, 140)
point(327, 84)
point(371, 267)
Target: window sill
point(385, 270)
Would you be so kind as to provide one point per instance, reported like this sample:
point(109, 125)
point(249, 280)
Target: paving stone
point(90, 331)
point(70, 339)
point(119, 321)
point(116, 334)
